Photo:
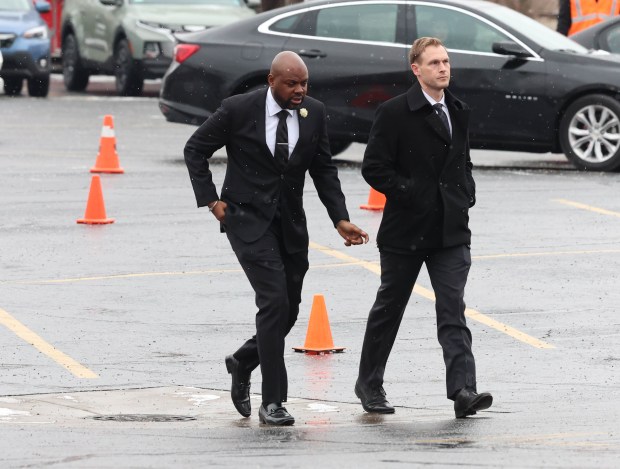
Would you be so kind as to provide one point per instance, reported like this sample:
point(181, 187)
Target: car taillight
point(182, 52)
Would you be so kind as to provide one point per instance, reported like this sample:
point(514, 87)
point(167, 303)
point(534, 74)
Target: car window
point(359, 22)
point(14, 5)
point(287, 24)
point(612, 38)
point(457, 30)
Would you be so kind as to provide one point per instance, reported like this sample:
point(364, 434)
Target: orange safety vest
point(585, 13)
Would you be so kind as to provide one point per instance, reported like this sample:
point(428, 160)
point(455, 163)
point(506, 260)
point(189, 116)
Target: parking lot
point(133, 319)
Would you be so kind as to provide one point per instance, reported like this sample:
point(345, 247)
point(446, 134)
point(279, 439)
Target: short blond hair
point(420, 45)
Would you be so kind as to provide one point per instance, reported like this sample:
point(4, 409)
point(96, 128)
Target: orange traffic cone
point(319, 336)
point(376, 201)
point(95, 208)
point(107, 159)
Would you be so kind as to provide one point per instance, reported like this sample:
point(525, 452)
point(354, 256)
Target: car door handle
point(312, 53)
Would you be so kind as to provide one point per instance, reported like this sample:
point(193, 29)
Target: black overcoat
point(425, 175)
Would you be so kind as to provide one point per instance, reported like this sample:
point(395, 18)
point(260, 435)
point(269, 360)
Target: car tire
point(590, 133)
point(13, 86)
point(39, 86)
point(129, 79)
point(74, 75)
point(337, 146)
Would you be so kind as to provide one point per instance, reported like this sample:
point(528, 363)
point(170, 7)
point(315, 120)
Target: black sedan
point(530, 88)
point(603, 36)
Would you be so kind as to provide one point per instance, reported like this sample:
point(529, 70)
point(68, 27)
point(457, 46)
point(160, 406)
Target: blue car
point(25, 46)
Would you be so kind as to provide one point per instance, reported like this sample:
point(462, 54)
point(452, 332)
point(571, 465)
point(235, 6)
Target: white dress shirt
point(271, 124)
point(443, 106)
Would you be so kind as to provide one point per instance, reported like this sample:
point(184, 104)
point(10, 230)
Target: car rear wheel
point(39, 86)
point(74, 75)
point(590, 133)
point(129, 79)
point(13, 86)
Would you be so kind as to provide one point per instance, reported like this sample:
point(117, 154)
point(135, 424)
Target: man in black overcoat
point(272, 138)
point(418, 156)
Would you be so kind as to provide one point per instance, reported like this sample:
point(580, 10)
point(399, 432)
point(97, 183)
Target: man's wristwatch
point(211, 206)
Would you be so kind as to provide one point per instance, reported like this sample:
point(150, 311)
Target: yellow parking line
point(157, 274)
point(134, 275)
point(44, 347)
point(470, 313)
point(547, 254)
point(589, 208)
point(367, 264)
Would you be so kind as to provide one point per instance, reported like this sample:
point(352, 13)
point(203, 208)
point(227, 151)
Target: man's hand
point(351, 233)
point(219, 211)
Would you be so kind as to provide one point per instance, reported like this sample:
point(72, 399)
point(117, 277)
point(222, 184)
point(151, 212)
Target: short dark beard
point(290, 105)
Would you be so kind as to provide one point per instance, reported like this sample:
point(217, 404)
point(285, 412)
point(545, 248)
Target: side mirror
point(510, 48)
point(254, 4)
point(42, 6)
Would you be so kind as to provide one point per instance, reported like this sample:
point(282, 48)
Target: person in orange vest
point(577, 15)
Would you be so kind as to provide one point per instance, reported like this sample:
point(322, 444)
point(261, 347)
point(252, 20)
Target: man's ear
point(415, 69)
point(270, 80)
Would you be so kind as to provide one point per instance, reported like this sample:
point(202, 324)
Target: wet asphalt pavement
point(112, 338)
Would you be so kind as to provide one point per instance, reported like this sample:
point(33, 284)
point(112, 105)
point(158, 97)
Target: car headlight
point(152, 26)
point(40, 32)
point(169, 28)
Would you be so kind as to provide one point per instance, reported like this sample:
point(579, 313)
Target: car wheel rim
point(594, 134)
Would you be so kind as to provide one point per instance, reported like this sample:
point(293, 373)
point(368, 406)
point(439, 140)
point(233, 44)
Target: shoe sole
point(481, 404)
point(370, 410)
point(285, 423)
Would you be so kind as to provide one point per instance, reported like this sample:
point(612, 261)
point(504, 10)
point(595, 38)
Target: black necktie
point(281, 151)
point(442, 115)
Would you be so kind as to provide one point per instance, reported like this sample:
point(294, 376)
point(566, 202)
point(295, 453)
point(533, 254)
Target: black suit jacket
point(424, 174)
point(256, 186)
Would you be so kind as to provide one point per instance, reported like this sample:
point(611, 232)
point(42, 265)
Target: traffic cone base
point(317, 351)
point(107, 158)
point(319, 335)
point(89, 221)
point(95, 207)
point(376, 201)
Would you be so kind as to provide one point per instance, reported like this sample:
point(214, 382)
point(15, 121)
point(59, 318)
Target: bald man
point(272, 137)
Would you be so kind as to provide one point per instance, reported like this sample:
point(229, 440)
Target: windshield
point(537, 32)
point(235, 3)
point(15, 5)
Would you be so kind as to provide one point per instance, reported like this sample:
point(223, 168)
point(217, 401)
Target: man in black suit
point(272, 138)
point(418, 156)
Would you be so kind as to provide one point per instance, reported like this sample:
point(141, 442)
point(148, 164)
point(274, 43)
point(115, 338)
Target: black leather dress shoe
point(275, 414)
point(467, 402)
point(373, 400)
point(240, 389)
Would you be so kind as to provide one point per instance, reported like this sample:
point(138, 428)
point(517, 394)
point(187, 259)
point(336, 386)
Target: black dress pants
point(448, 269)
point(277, 278)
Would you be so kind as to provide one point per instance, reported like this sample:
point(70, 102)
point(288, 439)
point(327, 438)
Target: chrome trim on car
point(264, 27)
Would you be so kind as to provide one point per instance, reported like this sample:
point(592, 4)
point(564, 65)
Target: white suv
point(133, 39)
